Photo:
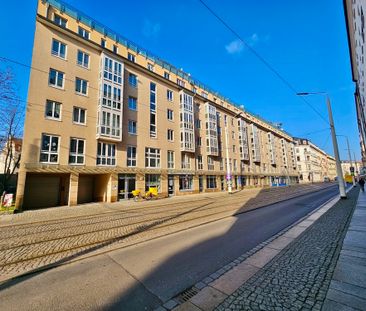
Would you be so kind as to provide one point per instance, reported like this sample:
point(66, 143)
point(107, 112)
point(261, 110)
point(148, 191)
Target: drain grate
point(186, 294)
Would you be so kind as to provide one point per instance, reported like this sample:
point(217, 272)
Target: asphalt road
point(143, 276)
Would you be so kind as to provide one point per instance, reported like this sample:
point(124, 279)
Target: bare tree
point(11, 125)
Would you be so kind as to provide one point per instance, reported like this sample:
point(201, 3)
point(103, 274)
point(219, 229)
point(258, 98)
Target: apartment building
point(355, 11)
point(105, 117)
point(313, 164)
point(346, 167)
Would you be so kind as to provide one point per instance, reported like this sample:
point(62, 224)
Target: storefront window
point(211, 182)
point(185, 182)
point(152, 180)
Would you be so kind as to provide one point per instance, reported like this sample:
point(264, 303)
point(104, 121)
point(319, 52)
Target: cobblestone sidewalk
point(298, 278)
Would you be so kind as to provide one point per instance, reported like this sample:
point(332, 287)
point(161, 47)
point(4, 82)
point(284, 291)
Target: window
point(221, 164)
point(180, 82)
point(166, 75)
point(200, 162)
point(79, 115)
point(194, 90)
point(103, 43)
point(131, 57)
point(152, 180)
point(210, 163)
point(56, 78)
point(132, 127)
point(106, 154)
point(233, 135)
point(169, 95)
point(112, 96)
point(235, 165)
point(83, 59)
point(132, 103)
point(298, 158)
point(204, 94)
point(58, 49)
point(53, 110)
point(170, 159)
point(152, 109)
point(170, 115)
point(115, 49)
point(132, 80)
point(131, 156)
point(150, 67)
point(49, 149)
point(185, 182)
point(170, 135)
point(83, 33)
point(81, 86)
point(60, 21)
point(186, 161)
point(152, 157)
point(211, 182)
point(77, 153)
point(198, 123)
point(199, 141)
point(234, 149)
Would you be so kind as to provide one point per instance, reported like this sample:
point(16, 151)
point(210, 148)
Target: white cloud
point(235, 47)
point(150, 29)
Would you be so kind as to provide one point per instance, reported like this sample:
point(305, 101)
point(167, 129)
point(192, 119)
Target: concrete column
point(20, 190)
point(164, 185)
point(112, 188)
point(140, 182)
point(176, 184)
point(196, 186)
point(73, 189)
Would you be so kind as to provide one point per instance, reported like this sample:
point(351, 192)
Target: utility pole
point(342, 190)
point(354, 158)
point(350, 161)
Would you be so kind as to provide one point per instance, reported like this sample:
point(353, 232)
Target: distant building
point(313, 164)
point(347, 164)
point(10, 159)
point(355, 11)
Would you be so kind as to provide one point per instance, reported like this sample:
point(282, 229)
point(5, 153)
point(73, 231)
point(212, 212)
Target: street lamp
point(350, 161)
point(342, 190)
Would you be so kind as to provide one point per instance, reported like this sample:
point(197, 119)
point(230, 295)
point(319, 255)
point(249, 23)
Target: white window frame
point(79, 115)
point(166, 75)
point(169, 95)
point(200, 162)
point(58, 73)
point(82, 32)
point(54, 104)
point(84, 56)
point(132, 124)
point(76, 154)
point(84, 84)
point(58, 52)
point(61, 20)
point(49, 152)
point(152, 154)
point(170, 135)
point(134, 85)
point(150, 67)
point(131, 161)
point(107, 154)
point(131, 57)
point(132, 98)
point(210, 163)
point(170, 114)
point(171, 159)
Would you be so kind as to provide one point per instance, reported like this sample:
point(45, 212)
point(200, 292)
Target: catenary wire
point(263, 60)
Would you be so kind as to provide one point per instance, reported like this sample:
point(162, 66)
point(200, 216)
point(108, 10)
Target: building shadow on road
point(189, 264)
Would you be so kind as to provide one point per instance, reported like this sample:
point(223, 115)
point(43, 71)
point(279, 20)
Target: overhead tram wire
point(264, 61)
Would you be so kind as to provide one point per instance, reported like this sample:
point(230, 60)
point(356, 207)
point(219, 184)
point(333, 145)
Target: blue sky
point(305, 41)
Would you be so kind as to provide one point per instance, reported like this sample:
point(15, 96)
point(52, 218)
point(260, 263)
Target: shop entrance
point(170, 185)
point(126, 184)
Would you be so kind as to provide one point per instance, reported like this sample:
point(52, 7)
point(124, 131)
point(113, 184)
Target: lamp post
point(342, 190)
point(350, 161)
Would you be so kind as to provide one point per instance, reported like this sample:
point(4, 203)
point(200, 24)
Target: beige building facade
point(346, 165)
point(105, 117)
point(313, 164)
point(355, 11)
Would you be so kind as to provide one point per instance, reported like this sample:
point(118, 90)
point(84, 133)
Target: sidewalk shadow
point(177, 272)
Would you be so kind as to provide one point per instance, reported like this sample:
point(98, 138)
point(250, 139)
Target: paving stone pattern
point(298, 278)
point(37, 239)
